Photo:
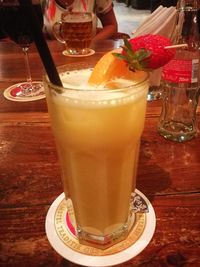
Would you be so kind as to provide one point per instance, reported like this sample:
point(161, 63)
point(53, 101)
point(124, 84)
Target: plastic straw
point(40, 41)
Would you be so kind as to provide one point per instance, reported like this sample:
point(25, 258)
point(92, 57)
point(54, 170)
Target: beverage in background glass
point(97, 133)
point(15, 24)
point(75, 30)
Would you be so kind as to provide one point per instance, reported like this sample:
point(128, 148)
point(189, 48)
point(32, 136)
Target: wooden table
point(30, 180)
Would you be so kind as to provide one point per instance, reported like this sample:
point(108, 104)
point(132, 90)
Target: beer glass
point(75, 30)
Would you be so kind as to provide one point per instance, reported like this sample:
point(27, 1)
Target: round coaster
point(90, 53)
point(15, 92)
point(61, 233)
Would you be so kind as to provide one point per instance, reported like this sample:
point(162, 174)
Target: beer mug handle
point(56, 31)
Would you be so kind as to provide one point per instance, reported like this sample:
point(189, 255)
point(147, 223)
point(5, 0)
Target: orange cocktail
point(97, 131)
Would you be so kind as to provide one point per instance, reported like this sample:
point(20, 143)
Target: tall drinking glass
point(15, 24)
point(97, 132)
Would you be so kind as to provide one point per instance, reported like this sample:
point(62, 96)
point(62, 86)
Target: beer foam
point(82, 93)
point(77, 17)
point(76, 79)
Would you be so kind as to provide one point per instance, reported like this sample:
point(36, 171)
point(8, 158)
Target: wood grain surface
point(168, 174)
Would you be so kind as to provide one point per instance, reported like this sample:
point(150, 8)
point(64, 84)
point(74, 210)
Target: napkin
point(162, 21)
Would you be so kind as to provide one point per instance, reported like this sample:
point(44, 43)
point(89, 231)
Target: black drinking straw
point(40, 41)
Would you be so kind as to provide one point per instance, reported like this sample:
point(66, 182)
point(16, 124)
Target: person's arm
point(109, 24)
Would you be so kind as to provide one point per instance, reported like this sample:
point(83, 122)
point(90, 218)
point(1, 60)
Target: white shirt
point(52, 11)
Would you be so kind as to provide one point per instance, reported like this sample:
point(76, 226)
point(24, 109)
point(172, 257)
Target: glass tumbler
point(97, 132)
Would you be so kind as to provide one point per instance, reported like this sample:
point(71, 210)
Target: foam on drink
point(96, 95)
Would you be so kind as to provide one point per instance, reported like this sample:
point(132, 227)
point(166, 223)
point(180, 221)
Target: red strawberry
point(147, 52)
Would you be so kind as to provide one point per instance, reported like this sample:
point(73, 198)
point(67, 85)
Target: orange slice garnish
point(109, 68)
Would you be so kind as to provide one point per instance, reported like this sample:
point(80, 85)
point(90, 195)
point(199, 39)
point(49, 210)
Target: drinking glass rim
point(95, 88)
point(76, 13)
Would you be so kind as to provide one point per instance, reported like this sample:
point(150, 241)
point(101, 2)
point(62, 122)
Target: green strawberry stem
point(136, 60)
